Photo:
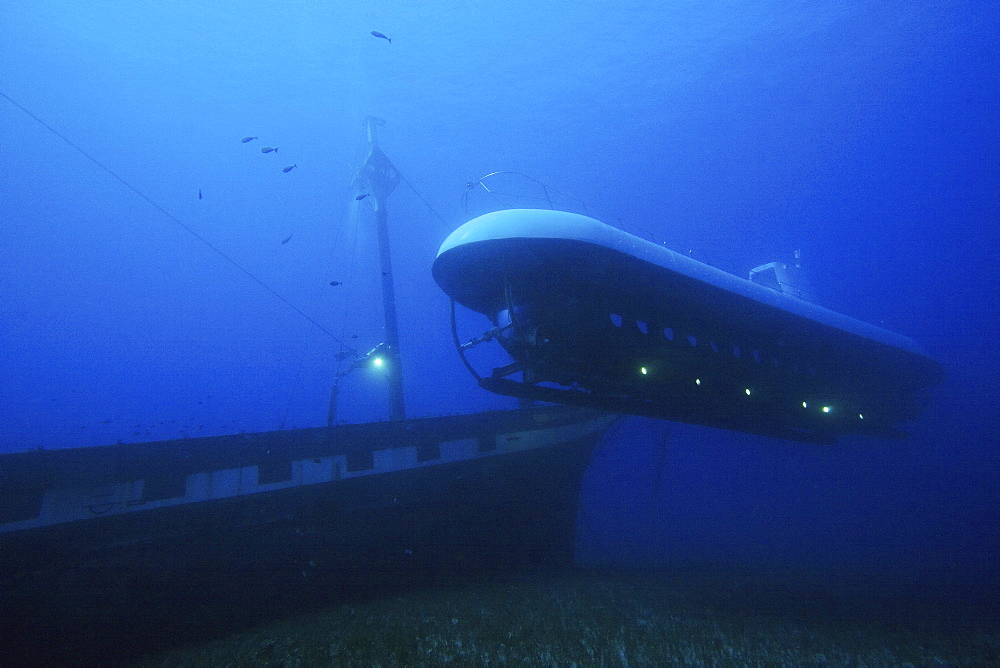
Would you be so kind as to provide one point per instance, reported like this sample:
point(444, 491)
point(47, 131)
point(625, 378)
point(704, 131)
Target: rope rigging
point(174, 219)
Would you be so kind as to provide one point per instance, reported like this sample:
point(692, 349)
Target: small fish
point(268, 149)
point(246, 139)
point(283, 241)
point(376, 33)
point(199, 193)
point(289, 168)
point(361, 197)
point(335, 283)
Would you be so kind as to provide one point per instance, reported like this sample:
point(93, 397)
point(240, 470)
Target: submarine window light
point(616, 320)
point(644, 370)
point(747, 391)
point(693, 340)
point(697, 381)
point(756, 356)
point(805, 404)
point(643, 327)
point(736, 351)
point(861, 416)
point(668, 332)
point(827, 409)
point(714, 346)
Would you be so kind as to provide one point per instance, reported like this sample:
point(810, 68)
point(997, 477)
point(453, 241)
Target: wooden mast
point(380, 177)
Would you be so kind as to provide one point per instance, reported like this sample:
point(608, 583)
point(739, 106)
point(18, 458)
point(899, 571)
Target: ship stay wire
point(177, 221)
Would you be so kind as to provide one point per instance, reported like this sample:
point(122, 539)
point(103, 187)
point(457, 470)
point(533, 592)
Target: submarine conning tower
point(592, 315)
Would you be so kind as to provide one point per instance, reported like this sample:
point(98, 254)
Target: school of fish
point(288, 168)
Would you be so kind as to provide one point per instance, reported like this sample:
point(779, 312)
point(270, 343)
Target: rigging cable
point(421, 198)
point(352, 272)
point(173, 218)
point(352, 220)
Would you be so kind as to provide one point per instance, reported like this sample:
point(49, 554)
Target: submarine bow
point(594, 316)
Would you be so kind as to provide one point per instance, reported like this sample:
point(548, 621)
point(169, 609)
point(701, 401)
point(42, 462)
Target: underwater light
point(747, 390)
point(697, 381)
point(378, 362)
point(805, 405)
point(643, 370)
point(826, 409)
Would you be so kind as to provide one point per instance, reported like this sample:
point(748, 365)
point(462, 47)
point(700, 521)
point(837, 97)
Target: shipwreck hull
point(187, 538)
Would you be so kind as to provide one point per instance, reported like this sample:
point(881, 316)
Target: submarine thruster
point(594, 316)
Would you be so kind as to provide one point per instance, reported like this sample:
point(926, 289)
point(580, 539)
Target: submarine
point(590, 315)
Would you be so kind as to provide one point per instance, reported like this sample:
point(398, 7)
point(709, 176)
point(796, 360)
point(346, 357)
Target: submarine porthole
point(616, 320)
point(736, 351)
point(756, 356)
point(668, 332)
point(693, 340)
point(714, 346)
point(643, 327)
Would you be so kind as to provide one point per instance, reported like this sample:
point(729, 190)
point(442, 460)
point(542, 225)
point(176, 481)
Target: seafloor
point(578, 617)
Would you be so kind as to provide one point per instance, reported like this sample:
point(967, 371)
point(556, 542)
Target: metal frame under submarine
point(594, 316)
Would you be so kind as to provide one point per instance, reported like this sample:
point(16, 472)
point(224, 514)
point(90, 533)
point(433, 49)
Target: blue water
point(863, 133)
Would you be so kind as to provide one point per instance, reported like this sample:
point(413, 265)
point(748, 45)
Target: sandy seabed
point(620, 618)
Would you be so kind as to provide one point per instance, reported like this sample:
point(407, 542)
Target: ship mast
point(378, 177)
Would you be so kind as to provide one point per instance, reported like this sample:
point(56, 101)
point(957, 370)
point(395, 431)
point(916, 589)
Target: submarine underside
point(591, 315)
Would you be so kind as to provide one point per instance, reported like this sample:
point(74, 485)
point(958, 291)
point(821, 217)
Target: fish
point(289, 168)
point(361, 197)
point(376, 33)
point(335, 283)
point(268, 149)
point(246, 139)
point(283, 241)
point(199, 193)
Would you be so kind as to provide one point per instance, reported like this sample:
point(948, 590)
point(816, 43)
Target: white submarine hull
point(592, 315)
